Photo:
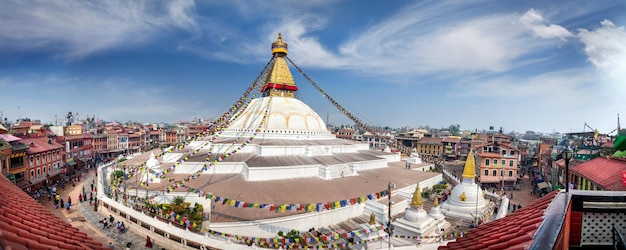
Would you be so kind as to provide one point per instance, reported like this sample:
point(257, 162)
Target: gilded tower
point(279, 81)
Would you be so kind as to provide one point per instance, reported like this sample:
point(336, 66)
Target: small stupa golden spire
point(469, 170)
point(372, 219)
point(417, 197)
point(436, 203)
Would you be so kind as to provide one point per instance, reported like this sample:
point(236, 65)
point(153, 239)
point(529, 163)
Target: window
point(31, 161)
point(510, 163)
point(484, 148)
point(486, 172)
point(486, 162)
point(32, 174)
point(510, 173)
point(38, 172)
point(503, 151)
point(495, 172)
point(495, 161)
point(37, 161)
point(501, 172)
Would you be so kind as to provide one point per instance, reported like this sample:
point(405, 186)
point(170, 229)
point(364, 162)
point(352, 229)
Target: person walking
point(148, 242)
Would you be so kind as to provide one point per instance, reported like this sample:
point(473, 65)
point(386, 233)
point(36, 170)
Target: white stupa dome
point(413, 214)
point(287, 117)
point(472, 193)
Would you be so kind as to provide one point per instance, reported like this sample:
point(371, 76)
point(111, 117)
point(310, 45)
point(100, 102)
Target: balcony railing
point(618, 238)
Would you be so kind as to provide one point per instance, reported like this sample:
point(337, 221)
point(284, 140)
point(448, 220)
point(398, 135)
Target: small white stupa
point(154, 169)
point(466, 200)
point(417, 222)
point(414, 158)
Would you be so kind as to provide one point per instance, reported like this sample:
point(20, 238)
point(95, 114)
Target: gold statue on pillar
point(372, 219)
point(417, 197)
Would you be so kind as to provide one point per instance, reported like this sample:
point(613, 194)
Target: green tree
point(178, 205)
point(455, 129)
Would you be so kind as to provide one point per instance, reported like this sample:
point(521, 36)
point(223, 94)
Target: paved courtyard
point(82, 216)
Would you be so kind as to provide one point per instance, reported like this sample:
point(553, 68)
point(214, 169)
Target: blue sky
point(520, 65)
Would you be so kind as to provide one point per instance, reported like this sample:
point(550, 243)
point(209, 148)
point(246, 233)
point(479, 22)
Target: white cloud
point(75, 29)
point(605, 46)
point(570, 84)
point(535, 22)
point(305, 49)
point(416, 41)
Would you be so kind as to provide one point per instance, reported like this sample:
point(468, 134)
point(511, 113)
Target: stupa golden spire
point(279, 81)
point(469, 170)
point(417, 197)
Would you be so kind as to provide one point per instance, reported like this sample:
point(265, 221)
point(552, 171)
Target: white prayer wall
point(301, 222)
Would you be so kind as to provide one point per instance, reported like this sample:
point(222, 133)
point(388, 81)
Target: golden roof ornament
point(279, 47)
point(469, 170)
point(436, 203)
point(463, 197)
point(417, 197)
point(372, 219)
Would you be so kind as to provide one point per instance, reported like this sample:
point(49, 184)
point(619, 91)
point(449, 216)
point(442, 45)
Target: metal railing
point(618, 239)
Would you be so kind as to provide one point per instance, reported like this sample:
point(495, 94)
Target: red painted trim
point(279, 86)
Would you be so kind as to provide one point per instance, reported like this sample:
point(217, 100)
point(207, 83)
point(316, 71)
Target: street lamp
point(568, 153)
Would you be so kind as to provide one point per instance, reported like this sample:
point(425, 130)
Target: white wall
point(277, 173)
point(221, 168)
point(301, 222)
point(373, 164)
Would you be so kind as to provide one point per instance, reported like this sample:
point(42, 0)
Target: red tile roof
point(452, 139)
point(515, 231)
point(9, 138)
point(26, 224)
point(603, 171)
point(40, 144)
point(429, 140)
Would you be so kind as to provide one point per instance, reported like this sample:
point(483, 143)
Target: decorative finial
point(279, 48)
point(372, 219)
point(436, 203)
point(417, 197)
point(463, 197)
